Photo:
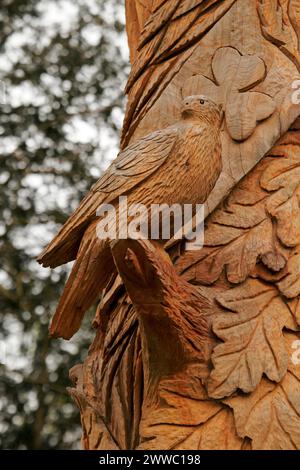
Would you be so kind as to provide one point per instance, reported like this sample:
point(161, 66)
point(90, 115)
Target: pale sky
point(58, 15)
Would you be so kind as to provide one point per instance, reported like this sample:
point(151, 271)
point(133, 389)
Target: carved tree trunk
point(199, 352)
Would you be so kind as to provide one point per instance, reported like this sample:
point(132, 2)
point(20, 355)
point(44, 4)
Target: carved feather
point(132, 166)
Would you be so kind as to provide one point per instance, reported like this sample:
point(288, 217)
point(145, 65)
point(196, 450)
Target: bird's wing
point(132, 166)
point(136, 162)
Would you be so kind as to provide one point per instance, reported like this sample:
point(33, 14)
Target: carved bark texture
point(196, 349)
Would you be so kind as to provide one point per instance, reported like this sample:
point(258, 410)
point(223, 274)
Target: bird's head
point(199, 107)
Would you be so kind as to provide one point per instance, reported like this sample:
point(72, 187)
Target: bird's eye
point(202, 101)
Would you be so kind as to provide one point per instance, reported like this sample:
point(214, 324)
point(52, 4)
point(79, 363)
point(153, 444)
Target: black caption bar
point(144, 459)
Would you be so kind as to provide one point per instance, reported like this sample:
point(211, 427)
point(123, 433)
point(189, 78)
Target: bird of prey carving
point(176, 165)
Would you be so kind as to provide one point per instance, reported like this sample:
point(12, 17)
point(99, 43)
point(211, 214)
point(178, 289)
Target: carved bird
point(178, 164)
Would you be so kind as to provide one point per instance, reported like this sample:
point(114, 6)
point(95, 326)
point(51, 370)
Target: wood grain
point(195, 349)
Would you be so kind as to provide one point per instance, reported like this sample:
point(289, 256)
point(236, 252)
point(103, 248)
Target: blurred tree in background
point(63, 66)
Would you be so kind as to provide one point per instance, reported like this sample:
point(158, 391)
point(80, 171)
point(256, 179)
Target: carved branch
point(173, 315)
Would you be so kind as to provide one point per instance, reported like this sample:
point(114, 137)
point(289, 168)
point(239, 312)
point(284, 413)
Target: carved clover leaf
point(235, 75)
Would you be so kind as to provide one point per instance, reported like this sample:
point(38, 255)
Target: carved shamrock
point(235, 75)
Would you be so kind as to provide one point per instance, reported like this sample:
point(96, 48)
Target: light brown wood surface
point(195, 350)
point(157, 169)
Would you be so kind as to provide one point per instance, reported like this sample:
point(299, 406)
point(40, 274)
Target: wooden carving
point(196, 349)
point(155, 169)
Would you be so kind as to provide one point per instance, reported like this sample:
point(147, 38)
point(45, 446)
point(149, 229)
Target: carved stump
point(198, 349)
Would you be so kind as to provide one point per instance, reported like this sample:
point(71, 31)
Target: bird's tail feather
point(89, 276)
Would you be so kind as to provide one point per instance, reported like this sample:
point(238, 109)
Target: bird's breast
point(198, 164)
point(189, 173)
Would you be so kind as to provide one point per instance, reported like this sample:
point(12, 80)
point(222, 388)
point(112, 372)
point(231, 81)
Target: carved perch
point(173, 315)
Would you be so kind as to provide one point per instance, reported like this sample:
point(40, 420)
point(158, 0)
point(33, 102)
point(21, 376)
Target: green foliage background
point(63, 66)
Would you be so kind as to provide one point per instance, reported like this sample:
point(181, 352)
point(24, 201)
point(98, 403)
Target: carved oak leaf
point(237, 236)
point(283, 176)
point(253, 340)
point(237, 252)
point(270, 416)
point(289, 286)
point(260, 221)
point(187, 419)
point(294, 306)
point(235, 75)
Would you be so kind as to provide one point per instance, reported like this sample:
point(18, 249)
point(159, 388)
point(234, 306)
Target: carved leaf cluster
point(260, 222)
point(253, 241)
point(270, 416)
point(253, 342)
point(189, 420)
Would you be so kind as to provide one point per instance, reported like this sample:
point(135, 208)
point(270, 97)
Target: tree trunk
point(198, 350)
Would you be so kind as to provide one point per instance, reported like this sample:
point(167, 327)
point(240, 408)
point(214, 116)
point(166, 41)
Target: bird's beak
point(186, 110)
